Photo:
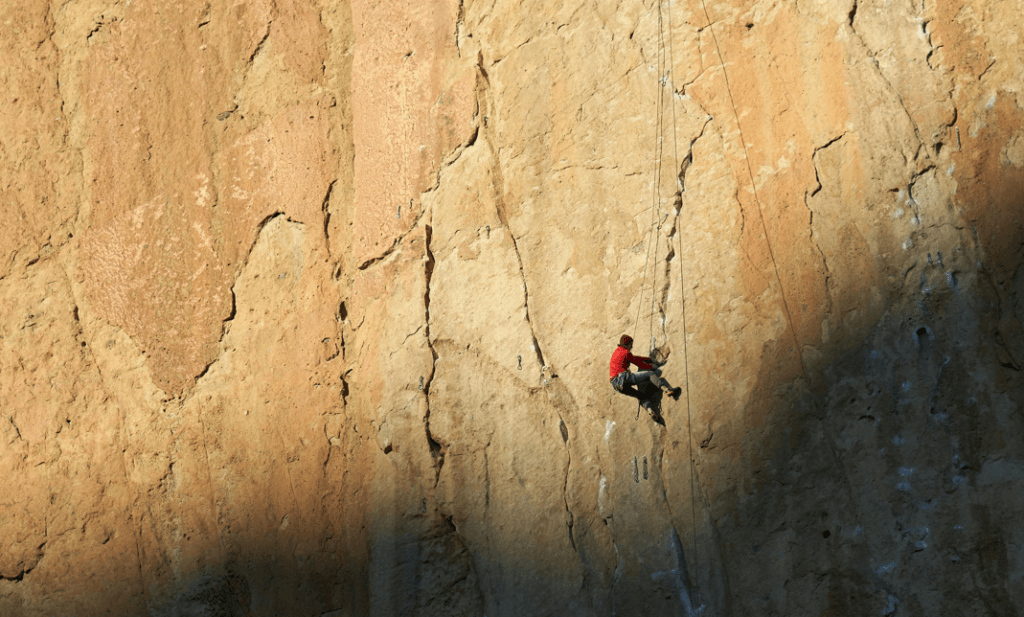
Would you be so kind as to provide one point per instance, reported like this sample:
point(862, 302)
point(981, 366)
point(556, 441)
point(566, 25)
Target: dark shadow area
point(888, 484)
point(246, 585)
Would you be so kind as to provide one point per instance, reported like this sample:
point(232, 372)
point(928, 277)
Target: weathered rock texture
point(306, 307)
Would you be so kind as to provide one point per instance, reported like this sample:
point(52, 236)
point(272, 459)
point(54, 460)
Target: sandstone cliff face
point(306, 307)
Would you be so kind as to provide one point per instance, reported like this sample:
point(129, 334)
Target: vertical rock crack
point(498, 182)
point(437, 451)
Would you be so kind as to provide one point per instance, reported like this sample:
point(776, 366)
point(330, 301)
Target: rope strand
point(660, 141)
point(655, 189)
point(655, 194)
point(753, 188)
point(682, 298)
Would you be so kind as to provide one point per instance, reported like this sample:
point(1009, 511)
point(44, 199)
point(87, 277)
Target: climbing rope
point(682, 296)
point(656, 222)
point(655, 193)
point(659, 141)
point(665, 77)
point(753, 187)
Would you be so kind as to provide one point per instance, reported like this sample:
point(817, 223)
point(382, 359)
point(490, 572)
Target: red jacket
point(621, 359)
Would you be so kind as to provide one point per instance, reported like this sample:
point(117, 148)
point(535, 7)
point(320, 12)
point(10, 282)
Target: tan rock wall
point(305, 308)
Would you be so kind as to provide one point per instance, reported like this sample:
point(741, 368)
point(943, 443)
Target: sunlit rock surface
point(306, 307)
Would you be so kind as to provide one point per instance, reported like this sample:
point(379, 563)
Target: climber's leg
point(630, 390)
point(642, 377)
point(654, 376)
point(639, 383)
point(623, 384)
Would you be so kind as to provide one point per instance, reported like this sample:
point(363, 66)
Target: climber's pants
point(639, 377)
point(626, 382)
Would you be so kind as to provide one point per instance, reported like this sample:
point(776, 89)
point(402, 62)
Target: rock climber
point(625, 381)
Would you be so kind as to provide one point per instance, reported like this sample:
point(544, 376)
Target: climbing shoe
point(675, 393)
